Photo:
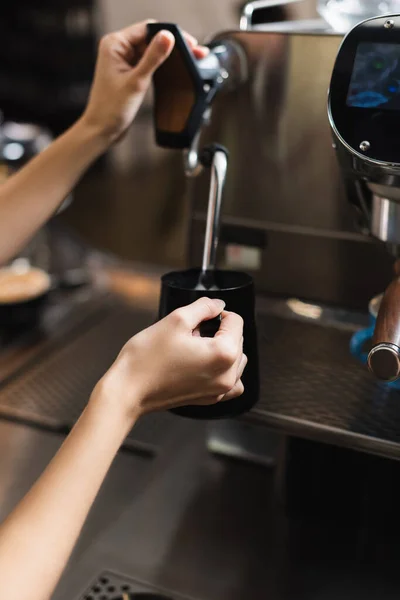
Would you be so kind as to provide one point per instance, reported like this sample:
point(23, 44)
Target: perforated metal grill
point(110, 586)
point(53, 391)
point(312, 385)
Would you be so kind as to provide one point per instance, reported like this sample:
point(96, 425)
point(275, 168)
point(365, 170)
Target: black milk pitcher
point(236, 289)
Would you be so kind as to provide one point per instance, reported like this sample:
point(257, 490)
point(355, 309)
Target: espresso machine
point(262, 94)
point(364, 113)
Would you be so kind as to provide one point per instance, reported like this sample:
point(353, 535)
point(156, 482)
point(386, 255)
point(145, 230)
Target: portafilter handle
point(384, 358)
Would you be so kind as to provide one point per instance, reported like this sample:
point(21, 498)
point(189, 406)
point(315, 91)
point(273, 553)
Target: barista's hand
point(169, 364)
point(124, 69)
point(164, 366)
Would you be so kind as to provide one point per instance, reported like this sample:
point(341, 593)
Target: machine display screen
point(375, 81)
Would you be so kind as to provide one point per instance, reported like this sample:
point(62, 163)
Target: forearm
point(37, 538)
point(33, 194)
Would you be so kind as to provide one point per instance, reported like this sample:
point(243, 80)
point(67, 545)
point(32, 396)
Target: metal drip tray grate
point(312, 386)
point(53, 390)
point(110, 586)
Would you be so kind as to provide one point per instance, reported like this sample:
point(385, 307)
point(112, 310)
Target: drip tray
point(111, 586)
point(310, 384)
point(312, 387)
point(51, 389)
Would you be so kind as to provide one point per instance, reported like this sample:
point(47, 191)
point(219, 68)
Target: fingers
point(230, 332)
point(133, 40)
point(235, 392)
point(161, 47)
point(242, 366)
point(235, 366)
point(198, 51)
point(190, 39)
point(202, 310)
point(238, 388)
point(136, 33)
point(156, 53)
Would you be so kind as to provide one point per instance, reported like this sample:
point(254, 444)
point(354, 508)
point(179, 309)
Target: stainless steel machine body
point(285, 196)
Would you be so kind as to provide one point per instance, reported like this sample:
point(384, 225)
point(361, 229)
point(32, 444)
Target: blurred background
point(286, 220)
point(133, 202)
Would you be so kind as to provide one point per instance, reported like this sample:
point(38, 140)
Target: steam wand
point(214, 157)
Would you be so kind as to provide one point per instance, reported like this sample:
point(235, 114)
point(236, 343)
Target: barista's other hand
point(169, 365)
point(125, 65)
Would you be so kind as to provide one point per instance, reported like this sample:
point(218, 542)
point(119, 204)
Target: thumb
point(158, 50)
point(203, 309)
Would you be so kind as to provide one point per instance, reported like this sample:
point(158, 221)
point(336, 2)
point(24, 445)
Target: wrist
point(92, 135)
point(118, 396)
